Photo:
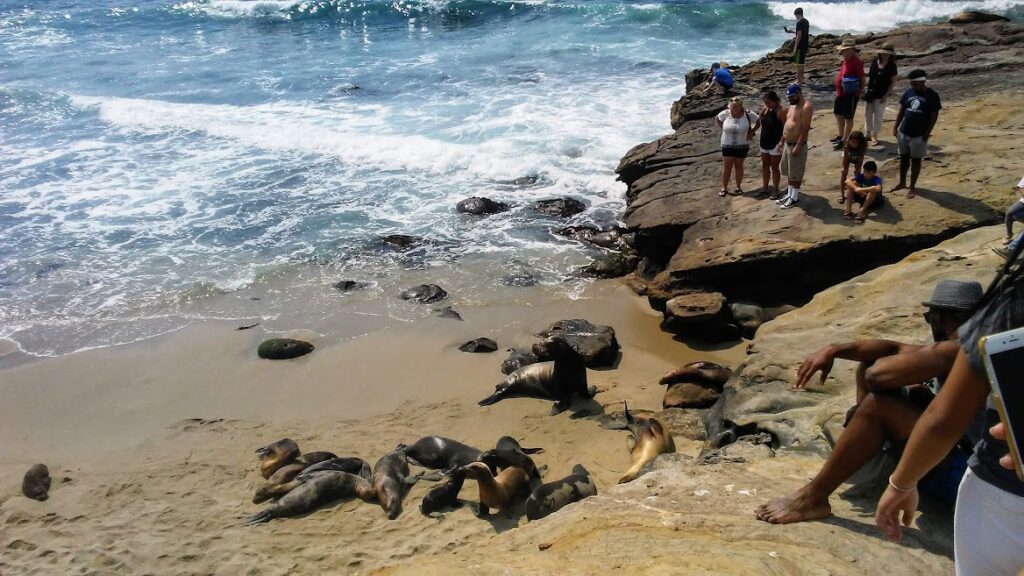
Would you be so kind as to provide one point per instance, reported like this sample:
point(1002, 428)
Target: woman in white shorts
point(772, 118)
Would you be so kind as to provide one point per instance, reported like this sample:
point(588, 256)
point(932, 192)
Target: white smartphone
point(1004, 362)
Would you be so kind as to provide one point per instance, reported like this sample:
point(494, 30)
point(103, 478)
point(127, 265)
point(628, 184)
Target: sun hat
point(887, 48)
point(848, 44)
point(917, 75)
point(793, 89)
point(955, 295)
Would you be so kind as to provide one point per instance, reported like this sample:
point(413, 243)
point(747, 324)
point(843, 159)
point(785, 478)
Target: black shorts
point(800, 57)
point(735, 151)
point(845, 106)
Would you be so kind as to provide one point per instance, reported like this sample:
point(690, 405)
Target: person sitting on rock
point(853, 155)
point(864, 189)
point(720, 78)
point(889, 393)
point(1014, 212)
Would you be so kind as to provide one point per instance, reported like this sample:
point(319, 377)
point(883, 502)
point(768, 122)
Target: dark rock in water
point(519, 279)
point(596, 344)
point(402, 241)
point(480, 345)
point(975, 17)
point(449, 313)
point(524, 181)
point(613, 239)
point(611, 266)
point(284, 349)
point(689, 395)
point(478, 206)
point(424, 293)
point(518, 358)
point(561, 207)
point(36, 484)
point(349, 285)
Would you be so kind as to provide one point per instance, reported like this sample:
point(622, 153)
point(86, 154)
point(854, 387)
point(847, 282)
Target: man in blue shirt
point(864, 189)
point(720, 78)
point(919, 109)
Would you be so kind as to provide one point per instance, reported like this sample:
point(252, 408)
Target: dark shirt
point(863, 182)
point(805, 38)
point(918, 110)
point(1004, 312)
point(880, 79)
point(771, 128)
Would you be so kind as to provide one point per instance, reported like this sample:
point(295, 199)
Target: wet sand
point(151, 445)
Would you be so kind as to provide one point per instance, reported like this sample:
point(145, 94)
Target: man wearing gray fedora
point(891, 395)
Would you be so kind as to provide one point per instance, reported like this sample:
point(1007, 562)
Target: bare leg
point(839, 125)
point(726, 170)
point(766, 171)
point(868, 202)
point(915, 171)
point(904, 166)
point(877, 418)
point(739, 173)
point(776, 175)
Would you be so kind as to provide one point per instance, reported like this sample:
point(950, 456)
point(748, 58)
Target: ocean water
point(162, 162)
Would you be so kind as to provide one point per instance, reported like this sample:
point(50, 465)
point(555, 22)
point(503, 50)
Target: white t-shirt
point(735, 130)
point(1021, 185)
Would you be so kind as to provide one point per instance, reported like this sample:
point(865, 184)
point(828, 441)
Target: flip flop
point(842, 199)
point(723, 192)
point(847, 215)
point(858, 219)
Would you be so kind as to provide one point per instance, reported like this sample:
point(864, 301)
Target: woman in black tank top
point(773, 117)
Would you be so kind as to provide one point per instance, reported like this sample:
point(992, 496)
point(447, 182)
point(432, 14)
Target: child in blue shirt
point(864, 189)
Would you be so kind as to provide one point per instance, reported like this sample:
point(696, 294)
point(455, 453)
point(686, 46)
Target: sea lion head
point(555, 348)
point(273, 456)
point(476, 470)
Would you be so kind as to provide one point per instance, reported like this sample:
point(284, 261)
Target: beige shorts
point(793, 167)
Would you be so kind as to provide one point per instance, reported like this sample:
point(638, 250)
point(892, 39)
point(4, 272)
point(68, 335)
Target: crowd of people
point(929, 409)
point(784, 131)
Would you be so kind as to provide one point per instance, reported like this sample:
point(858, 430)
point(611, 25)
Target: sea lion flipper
point(261, 518)
point(558, 407)
point(532, 450)
point(482, 511)
point(591, 391)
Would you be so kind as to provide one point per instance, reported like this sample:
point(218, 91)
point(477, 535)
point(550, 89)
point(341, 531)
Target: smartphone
point(1004, 362)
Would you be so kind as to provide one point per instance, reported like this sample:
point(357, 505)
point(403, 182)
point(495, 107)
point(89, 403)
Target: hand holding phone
point(1004, 362)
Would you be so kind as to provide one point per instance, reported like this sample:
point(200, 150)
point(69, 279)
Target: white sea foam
point(877, 16)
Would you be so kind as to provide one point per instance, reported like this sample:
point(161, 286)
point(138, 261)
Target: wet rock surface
point(480, 345)
point(283, 349)
point(478, 206)
point(559, 207)
point(424, 294)
point(596, 344)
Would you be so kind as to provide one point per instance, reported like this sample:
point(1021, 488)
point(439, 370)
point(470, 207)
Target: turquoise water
point(165, 161)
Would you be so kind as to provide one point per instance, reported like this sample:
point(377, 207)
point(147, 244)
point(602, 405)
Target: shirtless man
point(795, 133)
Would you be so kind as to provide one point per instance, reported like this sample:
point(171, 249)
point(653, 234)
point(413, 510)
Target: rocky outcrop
point(748, 250)
point(884, 303)
point(612, 265)
point(478, 206)
point(349, 285)
point(596, 344)
point(424, 293)
point(401, 242)
point(560, 207)
point(974, 17)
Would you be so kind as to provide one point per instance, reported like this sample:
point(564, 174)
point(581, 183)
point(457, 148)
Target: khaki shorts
point(913, 146)
point(793, 166)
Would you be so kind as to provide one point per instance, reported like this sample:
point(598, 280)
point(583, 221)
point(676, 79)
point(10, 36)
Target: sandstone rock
point(283, 349)
point(696, 308)
point(424, 293)
point(480, 345)
point(688, 424)
point(687, 395)
point(518, 358)
point(402, 242)
point(478, 206)
point(596, 344)
point(560, 207)
point(611, 266)
point(349, 285)
point(974, 17)
point(36, 483)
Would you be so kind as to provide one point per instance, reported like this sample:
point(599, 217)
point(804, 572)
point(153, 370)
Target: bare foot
point(910, 193)
point(899, 186)
point(795, 508)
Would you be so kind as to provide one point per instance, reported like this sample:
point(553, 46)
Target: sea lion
point(391, 481)
point(439, 453)
point(274, 456)
point(552, 496)
point(349, 464)
point(36, 483)
point(563, 379)
point(510, 443)
point(310, 458)
point(445, 495)
point(508, 453)
point(497, 491)
point(322, 487)
point(650, 438)
point(280, 483)
point(704, 373)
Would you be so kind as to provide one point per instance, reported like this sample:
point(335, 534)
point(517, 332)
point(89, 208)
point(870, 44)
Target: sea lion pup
point(36, 483)
point(445, 495)
point(551, 497)
point(705, 373)
point(439, 453)
point(563, 379)
point(497, 491)
point(391, 481)
point(280, 483)
point(650, 438)
point(349, 464)
point(310, 458)
point(507, 454)
point(322, 487)
point(274, 456)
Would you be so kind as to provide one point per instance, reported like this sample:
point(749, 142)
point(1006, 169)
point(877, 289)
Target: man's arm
point(896, 124)
point(911, 366)
point(858, 350)
point(931, 124)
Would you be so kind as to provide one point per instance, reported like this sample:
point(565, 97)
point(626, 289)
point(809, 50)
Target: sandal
point(858, 219)
point(723, 192)
point(738, 192)
point(847, 215)
point(842, 199)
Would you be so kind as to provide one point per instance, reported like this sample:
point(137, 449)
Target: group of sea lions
point(506, 475)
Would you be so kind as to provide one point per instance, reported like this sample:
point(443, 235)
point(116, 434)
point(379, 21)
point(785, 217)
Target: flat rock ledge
point(747, 249)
